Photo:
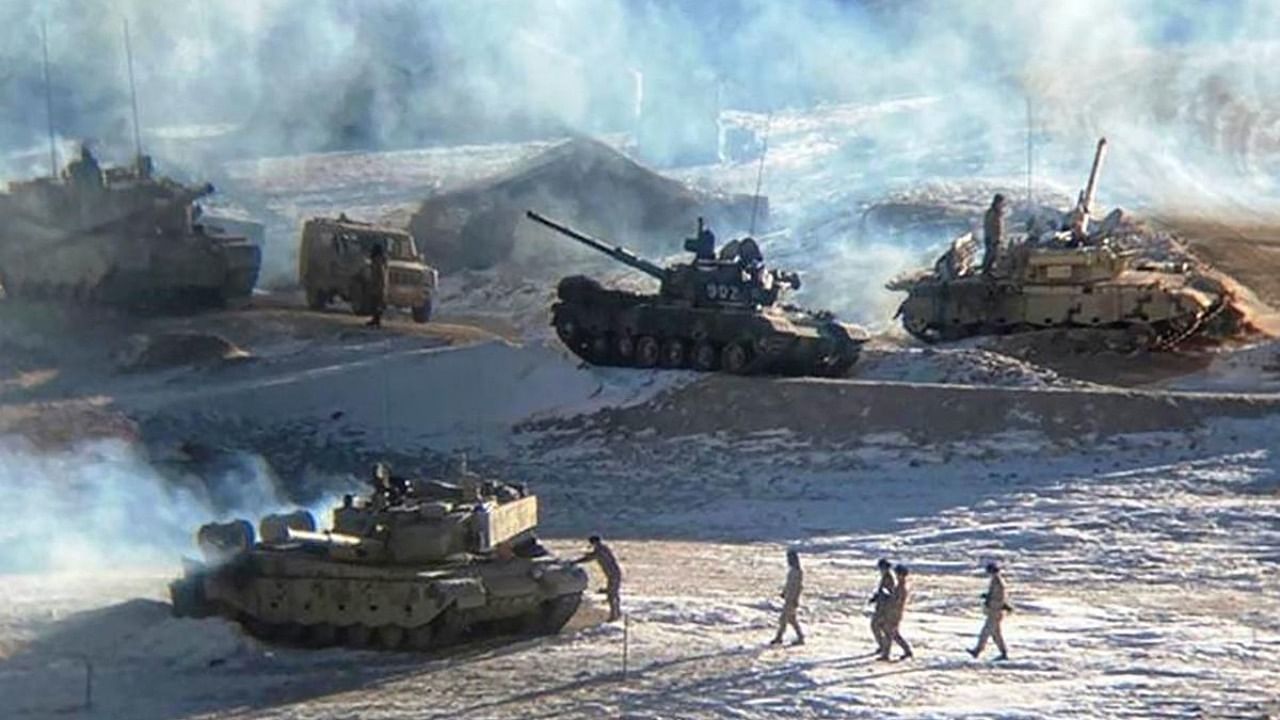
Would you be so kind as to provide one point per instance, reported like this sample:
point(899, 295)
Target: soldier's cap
point(993, 567)
point(594, 539)
point(901, 570)
point(998, 199)
point(884, 564)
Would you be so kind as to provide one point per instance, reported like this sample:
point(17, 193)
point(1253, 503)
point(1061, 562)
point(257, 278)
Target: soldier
point(881, 601)
point(895, 608)
point(378, 282)
point(608, 563)
point(381, 482)
point(703, 245)
point(791, 600)
point(994, 605)
point(993, 232)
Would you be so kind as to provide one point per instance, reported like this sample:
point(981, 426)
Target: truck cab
point(333, 264)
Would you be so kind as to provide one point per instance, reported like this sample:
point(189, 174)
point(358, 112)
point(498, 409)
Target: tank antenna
point(755, 200)
point(1030, 147)
point(48, 99)
point(133, 93)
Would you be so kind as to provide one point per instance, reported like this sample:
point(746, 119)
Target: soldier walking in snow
point(895, 608)
point(791, 600)
point(992, 232)
point(608, 562)
point(994, 605)
point(880, 599)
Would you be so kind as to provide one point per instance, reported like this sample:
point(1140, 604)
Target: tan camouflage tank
point(119, 237)
point(415, 565)
point(1070, 278)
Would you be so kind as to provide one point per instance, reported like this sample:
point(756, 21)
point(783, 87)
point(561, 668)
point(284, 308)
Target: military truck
point(415, 564)
point(1069, 276)
point(333, 263)
point(721, 312)
point(119, 236)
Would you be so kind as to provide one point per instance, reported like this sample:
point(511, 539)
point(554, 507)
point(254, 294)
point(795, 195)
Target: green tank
point(414, 565)
point(721, 312)
point(1072, 277)
point(119, 237)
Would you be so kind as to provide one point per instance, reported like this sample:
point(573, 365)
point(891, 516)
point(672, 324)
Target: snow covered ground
point(1143, 573)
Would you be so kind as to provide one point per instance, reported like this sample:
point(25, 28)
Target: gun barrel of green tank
point(616, 252)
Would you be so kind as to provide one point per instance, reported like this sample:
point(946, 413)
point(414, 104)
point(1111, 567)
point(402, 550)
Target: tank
point(1071, 276)
point(414, 565)
point(120, 237)
point(721, 312)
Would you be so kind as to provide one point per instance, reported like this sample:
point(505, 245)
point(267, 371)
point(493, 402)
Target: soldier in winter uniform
point(894, 610)
point(603, 556)
point(994, 604)
point(378, 281)
point(992, 232)
point(791, 600)
point(880, 599)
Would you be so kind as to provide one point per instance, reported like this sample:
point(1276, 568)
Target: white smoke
point(102, 504)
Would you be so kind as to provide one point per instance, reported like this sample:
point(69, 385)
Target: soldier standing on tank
point(992, 232)
point(378, 281)
point(880, 599)
point(994, 605)
point(895, 608)
point(791, 600)
point(603, 556)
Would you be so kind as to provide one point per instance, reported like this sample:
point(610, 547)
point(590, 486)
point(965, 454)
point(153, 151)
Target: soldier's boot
point(1002, 656)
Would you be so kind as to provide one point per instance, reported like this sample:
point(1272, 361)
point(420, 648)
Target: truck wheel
point(317, 299)
point(422, 313)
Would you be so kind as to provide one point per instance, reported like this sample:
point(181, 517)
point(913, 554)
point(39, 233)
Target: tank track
point(1165, 335)
point(167, 300)
point(450, 628)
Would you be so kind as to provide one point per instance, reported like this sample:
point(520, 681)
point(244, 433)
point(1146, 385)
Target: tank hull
point(290, 595)
point(1163, 308)
point(618, 328)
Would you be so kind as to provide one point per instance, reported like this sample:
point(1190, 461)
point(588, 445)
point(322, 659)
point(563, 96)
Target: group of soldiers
point(889, 601)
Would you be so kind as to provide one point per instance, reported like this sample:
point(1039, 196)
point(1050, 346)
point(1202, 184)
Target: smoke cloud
point(1184, 90)
point(102, 504)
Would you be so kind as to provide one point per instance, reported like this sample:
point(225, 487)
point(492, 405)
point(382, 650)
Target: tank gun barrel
point(1091, 189)
point(618, 253)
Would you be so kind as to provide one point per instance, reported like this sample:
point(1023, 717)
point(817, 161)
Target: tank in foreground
point(721, 312)
point(119, 237)
point(415, 565)
point(1075, 277)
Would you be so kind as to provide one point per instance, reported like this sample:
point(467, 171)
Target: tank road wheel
point(317, 299)
point(567, 331)
point(647, 352)
point(600, 347)
point(421, 638)
point(705, 356)
point(447, 628)
point(357, 636)
point(673, 353)
point(735, 357)
point(625, 348)
point(322, 635)
point(390, 637)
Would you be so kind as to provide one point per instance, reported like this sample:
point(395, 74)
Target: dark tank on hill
point(414, 565)
point(719, 312)
point(119, 237)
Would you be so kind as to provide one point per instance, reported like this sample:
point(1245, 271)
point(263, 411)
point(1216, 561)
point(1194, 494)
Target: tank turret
point(414, 563)
point(719, 312)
